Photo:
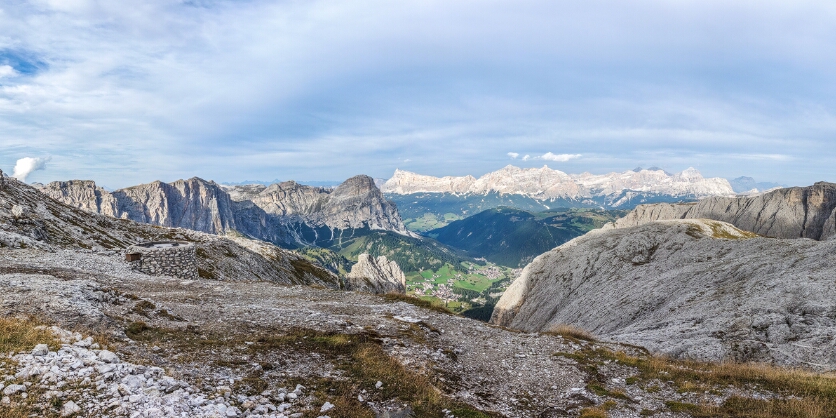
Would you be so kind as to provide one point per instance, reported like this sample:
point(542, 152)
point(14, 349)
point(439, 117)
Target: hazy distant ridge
point(548, 184)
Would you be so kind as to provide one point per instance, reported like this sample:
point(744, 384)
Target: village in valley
point(464, 287)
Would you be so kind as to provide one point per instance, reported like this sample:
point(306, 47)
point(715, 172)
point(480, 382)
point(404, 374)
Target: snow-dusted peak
point(546, 183)
point(690, 175)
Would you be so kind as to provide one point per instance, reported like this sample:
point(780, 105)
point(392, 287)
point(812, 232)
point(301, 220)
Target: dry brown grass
point(799, 393)
point(571, 332)
point(360, 356)
point(24, 334)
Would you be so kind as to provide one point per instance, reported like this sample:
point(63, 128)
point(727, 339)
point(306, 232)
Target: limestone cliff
point(285, 213)
point(29, 219)
point(354, 204)
point(796, 212)
point(697, 289)
point(375, 275)
point(82, 194)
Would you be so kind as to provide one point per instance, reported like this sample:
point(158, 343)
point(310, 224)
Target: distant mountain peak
point(548, 184)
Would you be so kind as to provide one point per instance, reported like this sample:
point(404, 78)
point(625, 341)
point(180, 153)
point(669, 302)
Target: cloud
point(526, 158)
point(25, 166)
point(325, 90)
point(557, 157)
point(513, 155)
point(7, 71)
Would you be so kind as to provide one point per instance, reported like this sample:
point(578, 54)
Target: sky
point(127, 93)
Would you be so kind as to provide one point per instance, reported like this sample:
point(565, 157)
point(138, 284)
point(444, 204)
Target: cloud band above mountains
point(549, 156)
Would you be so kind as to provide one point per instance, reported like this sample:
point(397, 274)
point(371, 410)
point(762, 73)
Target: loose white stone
point(40, 350)
point(70, 408)
point(108, 357)
point(12, 389)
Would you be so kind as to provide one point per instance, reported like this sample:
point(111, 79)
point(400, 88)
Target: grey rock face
point(273, 213)
point(357, 203)
point(376, 275)
point(797, 212)
point(687, 288)
point(50, 225)
point(194, 203)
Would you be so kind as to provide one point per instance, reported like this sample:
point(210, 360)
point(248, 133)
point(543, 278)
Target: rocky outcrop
point(285, 213)
point(375, 275)
point(356, 203)
point(546, 184)
point(29, 219)
point(697, 289)
point(796, 212)
point(82, 194)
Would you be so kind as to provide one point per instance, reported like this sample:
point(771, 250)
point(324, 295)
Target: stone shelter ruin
point(164, 258)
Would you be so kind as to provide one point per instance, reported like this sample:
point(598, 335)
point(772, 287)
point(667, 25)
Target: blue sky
point(322, 90)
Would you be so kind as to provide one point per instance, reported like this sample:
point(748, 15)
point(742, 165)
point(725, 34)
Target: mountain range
point(287, 214)
point(748, 184)
point(545, 184)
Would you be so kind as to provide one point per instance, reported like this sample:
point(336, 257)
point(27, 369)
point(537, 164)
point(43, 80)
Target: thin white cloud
point(128, 95)
point(557, 157)
point(7, 71)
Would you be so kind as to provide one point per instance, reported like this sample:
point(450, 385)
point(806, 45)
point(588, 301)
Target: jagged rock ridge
point(796, 212)
point(376, 275)
point(547, 184)
point(691, 288)
point(286, 213)
point(29, 219)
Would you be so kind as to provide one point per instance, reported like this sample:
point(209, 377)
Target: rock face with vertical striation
point(286, 213)
point(193, 204)
point(375, 275)
point(796, 212)
point(692, 288)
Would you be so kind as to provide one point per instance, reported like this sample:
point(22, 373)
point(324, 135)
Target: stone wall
point(166, 258)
